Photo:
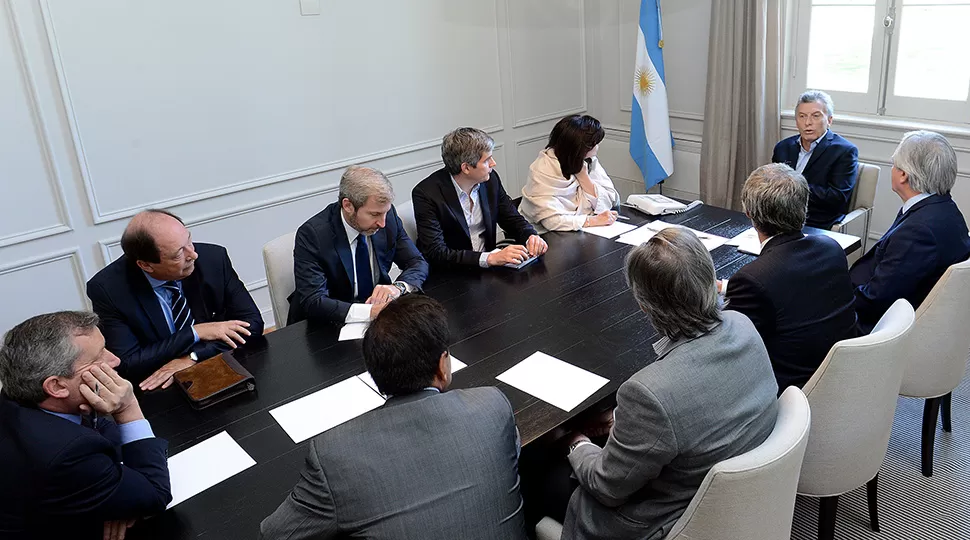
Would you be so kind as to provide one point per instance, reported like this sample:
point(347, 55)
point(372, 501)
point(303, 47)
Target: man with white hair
point(928, 235)
point(828, 162)
point(343, 254)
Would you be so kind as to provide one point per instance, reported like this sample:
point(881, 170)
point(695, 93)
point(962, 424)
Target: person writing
point(567, 188)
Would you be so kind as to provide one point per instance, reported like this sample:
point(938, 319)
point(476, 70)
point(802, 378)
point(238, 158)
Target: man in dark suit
point(343, 254)
point(67, 472)
point(827, 161)
point(168, 303)
point(429, 464)
point(928, 235)
point(458, 207)
point(797, 292)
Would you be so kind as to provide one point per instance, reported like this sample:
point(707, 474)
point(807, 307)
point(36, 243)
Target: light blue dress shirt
point(165, 301)
point(805, 155)
point(129, 432)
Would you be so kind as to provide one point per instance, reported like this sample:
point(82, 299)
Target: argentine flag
point(651, 144)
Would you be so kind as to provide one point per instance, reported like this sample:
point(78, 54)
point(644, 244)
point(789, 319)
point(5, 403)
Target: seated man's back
point(799, 297)
point(797, 292)
point(428, 464)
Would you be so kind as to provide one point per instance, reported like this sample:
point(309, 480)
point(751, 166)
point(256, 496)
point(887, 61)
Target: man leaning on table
point(428, 464)
point(168, 302)
point(77, 457)
point(458, 207)
point(343, 254)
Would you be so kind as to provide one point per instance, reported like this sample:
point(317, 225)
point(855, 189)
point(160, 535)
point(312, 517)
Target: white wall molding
point(108, 244)
point(523, 122)
point(529, 140)
point(625, 84)
point(73, 254)
point(683, 142)
point(236, 187)
point(43, 140)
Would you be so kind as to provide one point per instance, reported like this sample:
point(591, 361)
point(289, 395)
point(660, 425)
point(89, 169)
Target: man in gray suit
point(427, 464)
point(709, 396)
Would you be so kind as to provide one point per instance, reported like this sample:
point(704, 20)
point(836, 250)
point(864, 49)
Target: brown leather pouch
point(216, 379)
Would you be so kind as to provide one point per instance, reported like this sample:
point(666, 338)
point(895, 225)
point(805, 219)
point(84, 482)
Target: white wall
point(240, 116)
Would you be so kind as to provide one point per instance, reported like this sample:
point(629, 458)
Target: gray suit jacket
point(704, 400)
point(423, 466)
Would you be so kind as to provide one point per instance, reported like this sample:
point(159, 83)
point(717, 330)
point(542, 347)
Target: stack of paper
point(354, 330)
point(553, 381)
point(327, 408)
point(204, 465)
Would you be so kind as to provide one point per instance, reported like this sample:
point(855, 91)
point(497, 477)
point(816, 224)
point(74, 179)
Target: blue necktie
point(181, 312)
point(365, 279)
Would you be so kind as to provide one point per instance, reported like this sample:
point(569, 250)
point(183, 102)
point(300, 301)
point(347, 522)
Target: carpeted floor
point(911, 506)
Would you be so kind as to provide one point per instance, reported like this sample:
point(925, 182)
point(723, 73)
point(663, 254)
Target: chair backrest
point(937, 367)
point(753, 495)
point(853, 396)
point(864, 194)
point(278, 260)
point(405, 211)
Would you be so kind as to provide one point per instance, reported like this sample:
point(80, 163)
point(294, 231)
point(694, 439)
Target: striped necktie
point(181, 312)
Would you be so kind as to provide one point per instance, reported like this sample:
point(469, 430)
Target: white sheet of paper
point(553, 381)
point(327, 408)
point(641, 235)
point(748, 241)
point(610, 231)
point(644, 233)
point(744, 237)
point(456, 365)
point(197, 469)
point(354, 330)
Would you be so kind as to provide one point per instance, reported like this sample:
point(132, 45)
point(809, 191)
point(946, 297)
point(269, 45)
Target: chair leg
point(871, 489)
point(827, 508)
point(930, 411)
point(945, 412)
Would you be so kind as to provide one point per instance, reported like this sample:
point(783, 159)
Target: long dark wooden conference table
point(572, 304)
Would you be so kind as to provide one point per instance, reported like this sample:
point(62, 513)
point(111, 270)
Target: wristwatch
point(193, 357)
point(576, 444)
point(401, 287)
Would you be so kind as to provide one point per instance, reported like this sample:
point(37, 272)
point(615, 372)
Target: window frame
point(879, 101)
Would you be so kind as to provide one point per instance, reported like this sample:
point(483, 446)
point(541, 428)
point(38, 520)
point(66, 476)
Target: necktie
point(181, 312)
point(365, 279)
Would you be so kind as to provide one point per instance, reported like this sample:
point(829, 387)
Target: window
point(900, 58)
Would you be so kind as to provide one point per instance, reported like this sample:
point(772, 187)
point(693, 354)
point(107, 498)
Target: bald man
point(168, 303)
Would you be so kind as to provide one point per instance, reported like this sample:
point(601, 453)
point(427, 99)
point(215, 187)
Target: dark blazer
point(423, 466)
point(799, 297)
point(830, 172)
point(442, 230)
point(63, 480)
point(323, 266)
point(909, 259)
point(134, 326)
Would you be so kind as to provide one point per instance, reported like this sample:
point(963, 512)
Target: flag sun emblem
point(644, 81)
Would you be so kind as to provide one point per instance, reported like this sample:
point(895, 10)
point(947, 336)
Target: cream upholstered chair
point(405, 211)
point(747, 496)
point(278, 261)
point(937, 367)
point(853, 398)
point(857, 221)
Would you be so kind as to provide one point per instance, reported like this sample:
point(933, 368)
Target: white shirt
point(359, 312)
point(472, 209)
point(805, 155)
point(913, 200)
